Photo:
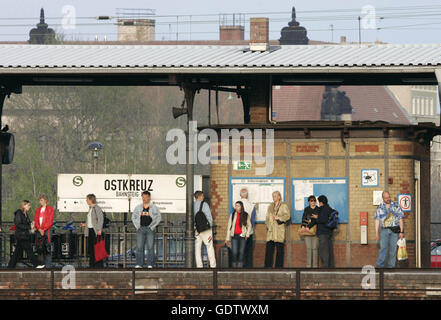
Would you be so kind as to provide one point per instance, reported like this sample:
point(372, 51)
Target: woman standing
point(276, 216)
point(43, 221)
point(238, 231)
point(22, 236)
point(311, 241)
point(93, 228)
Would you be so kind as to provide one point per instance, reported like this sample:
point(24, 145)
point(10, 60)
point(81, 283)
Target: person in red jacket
point(43, 221)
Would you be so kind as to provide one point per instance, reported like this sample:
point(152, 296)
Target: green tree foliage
point(54, 125)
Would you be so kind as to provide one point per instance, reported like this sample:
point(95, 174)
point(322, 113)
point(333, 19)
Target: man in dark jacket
point(326, 246)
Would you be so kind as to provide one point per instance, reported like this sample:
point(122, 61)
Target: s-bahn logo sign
point(122, 192)
point(405, 202)
point(181, 182)
point(77, 181)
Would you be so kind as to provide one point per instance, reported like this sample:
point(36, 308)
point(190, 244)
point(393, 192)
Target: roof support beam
point(189, 93)
point(438, 78)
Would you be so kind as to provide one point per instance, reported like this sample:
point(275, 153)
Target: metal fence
point(70, 247)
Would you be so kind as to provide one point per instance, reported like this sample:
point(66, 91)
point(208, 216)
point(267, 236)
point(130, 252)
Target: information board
point(335, 189)
point(260, 192)
point(115, 192)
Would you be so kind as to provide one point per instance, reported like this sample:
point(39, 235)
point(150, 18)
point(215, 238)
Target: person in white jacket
point(238, 231)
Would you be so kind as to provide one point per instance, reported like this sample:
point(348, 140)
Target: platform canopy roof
point(154, 64)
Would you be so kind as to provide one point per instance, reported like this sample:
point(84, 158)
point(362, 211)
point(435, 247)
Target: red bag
point(100, 249)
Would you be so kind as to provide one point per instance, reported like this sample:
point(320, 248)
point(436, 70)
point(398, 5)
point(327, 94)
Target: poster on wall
point(335, 189)
point(121, 192)
point(260, 192)
point(369, 178)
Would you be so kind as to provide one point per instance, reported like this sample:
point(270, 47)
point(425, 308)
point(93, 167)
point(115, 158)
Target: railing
point(120, 243)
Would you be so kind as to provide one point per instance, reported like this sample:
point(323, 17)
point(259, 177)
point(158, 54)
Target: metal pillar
point(2, 101)
point(438, 78)
point(189, 218)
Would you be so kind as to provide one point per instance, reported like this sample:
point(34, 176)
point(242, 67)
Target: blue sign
point(335, 189)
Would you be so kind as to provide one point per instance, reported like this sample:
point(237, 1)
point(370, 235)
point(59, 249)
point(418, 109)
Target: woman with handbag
point(238, 231)
point(22, 236)
point(276, 216)
point(93, 230)
point(308, 231)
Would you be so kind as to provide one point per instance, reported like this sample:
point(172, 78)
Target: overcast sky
point(403, 22)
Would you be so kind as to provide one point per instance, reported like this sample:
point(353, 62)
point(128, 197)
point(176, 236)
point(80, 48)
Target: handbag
point(100, 249)
point(312, 231)
point(395, 229)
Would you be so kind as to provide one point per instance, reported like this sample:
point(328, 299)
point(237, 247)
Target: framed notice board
point(259, 192)
point(335, 189)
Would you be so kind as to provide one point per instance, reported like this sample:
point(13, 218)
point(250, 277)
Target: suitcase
point(224, 257)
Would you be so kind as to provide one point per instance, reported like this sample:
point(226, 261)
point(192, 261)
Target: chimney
point(138, 30)
point(231, 33)
point(259, 34)
point(343, 39)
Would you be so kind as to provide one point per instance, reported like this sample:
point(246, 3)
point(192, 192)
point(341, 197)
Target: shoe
point(138, 266)
point(150, 267)
point(40, 266)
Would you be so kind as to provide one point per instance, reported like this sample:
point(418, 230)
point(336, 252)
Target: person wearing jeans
point(205, 237)
point(388, 217)
point(238, 231)
point(311, 242)
point(145, 218)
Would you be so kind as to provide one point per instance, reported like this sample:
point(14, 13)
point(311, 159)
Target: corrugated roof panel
point(209, 56)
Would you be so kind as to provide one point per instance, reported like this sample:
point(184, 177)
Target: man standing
point(145, 217)
point(325, 234)
point(250, 208)
point(206, 236)
point(390, 217)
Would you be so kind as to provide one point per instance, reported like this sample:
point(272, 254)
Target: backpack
point(333, 220)
point(201, 221)
point(106, 221)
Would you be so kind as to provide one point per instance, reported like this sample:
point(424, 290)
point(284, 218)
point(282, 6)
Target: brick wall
point(328, 158)
point(229, 284)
